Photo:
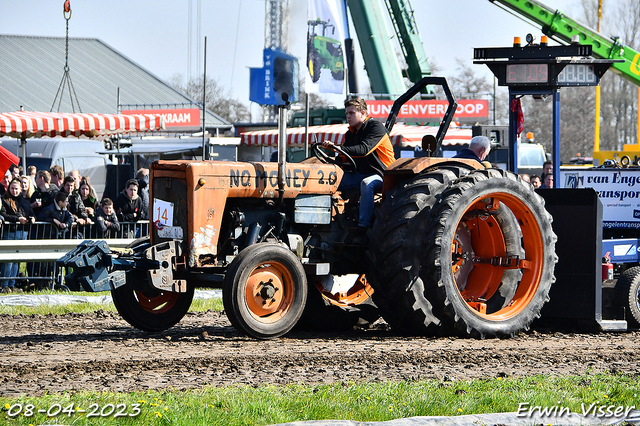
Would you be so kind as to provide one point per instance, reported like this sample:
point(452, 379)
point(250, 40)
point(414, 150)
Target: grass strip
point(198, 305)
point(267, 404)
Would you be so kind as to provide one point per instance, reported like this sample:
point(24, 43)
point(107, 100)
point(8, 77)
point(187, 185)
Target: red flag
point(517, 108)
point(7, 158)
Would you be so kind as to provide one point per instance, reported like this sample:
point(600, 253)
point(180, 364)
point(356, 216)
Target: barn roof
point(32, 68)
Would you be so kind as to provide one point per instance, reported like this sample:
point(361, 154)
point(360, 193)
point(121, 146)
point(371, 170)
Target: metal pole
point(282, 149)
point(23, 143)
point(204, 98)
point(513, 136)
point(495, 84)
point(118, 158)
point(282, 146)
point(306, 127)
point(596, 144)
point(556, 137)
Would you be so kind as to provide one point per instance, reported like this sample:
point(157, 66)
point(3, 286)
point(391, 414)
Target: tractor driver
point(368, 143)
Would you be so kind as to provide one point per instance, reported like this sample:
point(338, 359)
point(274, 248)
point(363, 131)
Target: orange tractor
point(455, 248)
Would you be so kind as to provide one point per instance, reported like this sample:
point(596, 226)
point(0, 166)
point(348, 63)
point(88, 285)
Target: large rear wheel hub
point(480, 241)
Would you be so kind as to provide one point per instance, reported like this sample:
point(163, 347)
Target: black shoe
point(21, 283)
point(360, 237)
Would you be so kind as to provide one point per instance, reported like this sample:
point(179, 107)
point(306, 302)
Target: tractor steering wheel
point(323, 157)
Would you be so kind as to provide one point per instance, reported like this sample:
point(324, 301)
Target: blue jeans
point(11, 269)
point(368, 187)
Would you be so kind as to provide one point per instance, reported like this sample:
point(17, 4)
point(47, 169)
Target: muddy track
point(99, 351)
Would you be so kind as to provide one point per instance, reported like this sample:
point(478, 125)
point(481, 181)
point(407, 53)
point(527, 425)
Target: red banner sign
point(174, 119)
point(432, 109)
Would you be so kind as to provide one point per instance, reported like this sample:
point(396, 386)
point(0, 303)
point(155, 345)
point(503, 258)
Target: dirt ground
point(100, 351)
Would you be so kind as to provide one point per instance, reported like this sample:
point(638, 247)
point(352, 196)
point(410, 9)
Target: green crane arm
point(377, 49)
point(410, 42)
point(557, 25)
point(381, 62)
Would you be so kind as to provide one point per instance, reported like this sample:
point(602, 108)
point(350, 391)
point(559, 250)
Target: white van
point(70, 153)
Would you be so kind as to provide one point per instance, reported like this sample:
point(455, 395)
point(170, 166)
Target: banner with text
point(183, 119)
point(618, 190)
point(325, 52)
point(468, 110)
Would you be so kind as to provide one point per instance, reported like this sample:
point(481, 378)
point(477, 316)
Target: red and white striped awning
point(401, 135)
point(28, 124)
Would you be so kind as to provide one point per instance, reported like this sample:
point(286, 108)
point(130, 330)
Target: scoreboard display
point(527, 73)
point(578, 75)
point(543, 67)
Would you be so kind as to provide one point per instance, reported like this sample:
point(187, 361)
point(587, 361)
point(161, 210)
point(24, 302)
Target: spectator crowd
point(69, 203)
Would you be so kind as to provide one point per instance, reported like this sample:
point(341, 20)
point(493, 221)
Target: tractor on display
point(455, 248)
point(324, 51)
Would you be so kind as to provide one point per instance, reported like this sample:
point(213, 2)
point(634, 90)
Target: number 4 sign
point(162, 212)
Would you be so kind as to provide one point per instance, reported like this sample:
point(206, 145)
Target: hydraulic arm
point(370, 21)
point(410, 41)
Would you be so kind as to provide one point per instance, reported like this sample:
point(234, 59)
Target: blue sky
point(155, 33)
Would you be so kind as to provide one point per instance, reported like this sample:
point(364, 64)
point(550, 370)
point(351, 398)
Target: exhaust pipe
point(282, 147)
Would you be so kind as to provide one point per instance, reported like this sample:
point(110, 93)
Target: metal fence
point(40, 244)
point(49, 231)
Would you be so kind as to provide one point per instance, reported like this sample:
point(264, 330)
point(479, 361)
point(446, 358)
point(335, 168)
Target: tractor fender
point(404, 168)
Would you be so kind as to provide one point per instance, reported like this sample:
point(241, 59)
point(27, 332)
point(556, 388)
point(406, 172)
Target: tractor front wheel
point(315, 66)
point(150, 309)
point(264, 291)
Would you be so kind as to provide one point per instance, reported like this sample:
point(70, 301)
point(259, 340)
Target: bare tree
point(576, 121)
point(466, 80)
point(219, 99)
point(620, 96)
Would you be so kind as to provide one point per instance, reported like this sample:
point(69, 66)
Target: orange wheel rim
point(159, 304)
point(269, 292)
point(478, 240)
point(360, 292)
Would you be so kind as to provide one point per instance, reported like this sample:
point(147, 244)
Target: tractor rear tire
point(264, 290)
point(330, 312)
point(150, 310)
point(468, 249)
point(628, 295)
point(397, 243)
